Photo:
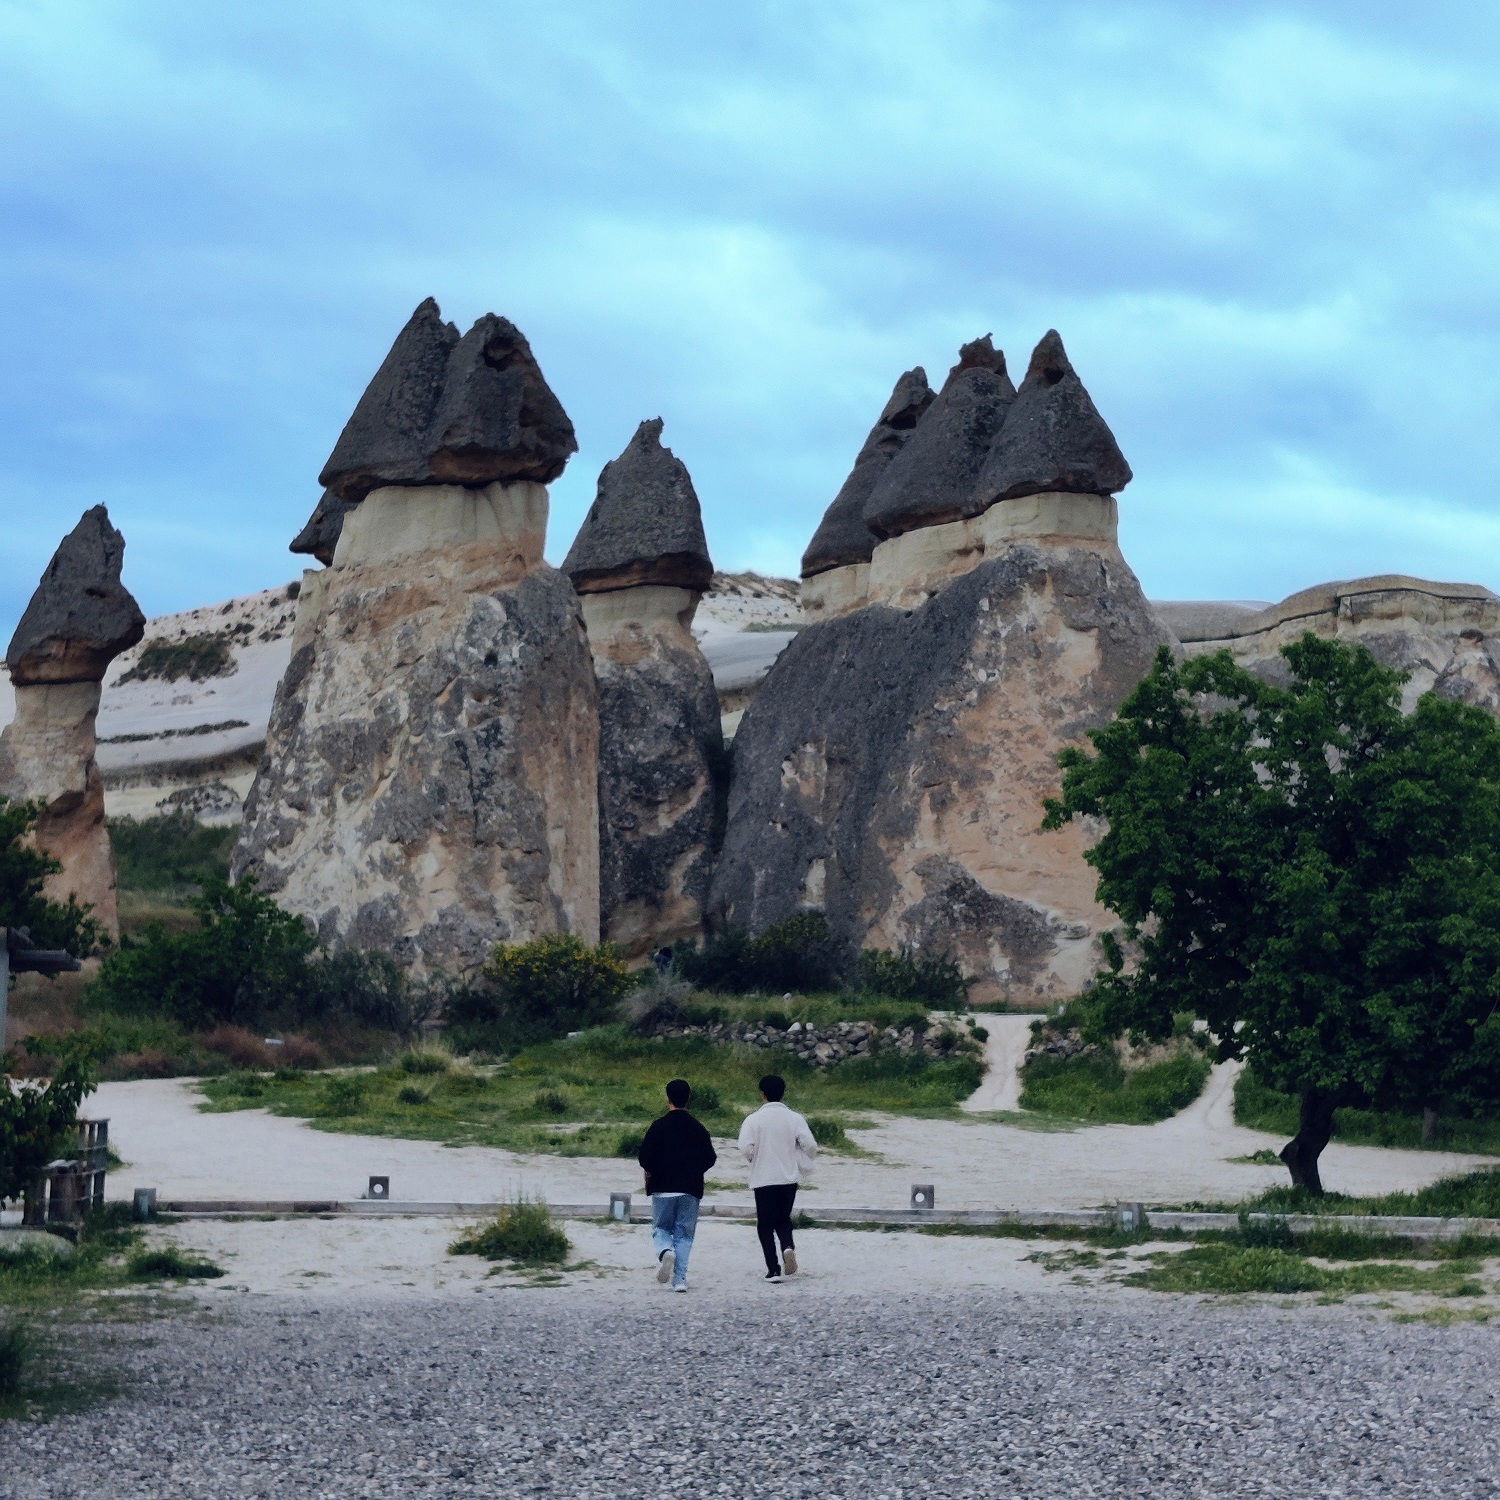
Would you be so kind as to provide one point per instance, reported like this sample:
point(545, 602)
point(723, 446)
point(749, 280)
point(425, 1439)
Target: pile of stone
point(1061, 1043)
point(827, 1046)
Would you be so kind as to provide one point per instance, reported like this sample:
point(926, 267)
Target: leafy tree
point(797, 953)
point(1311, 872)
point(247, 960)
point(23, 872)
point(36, 1121)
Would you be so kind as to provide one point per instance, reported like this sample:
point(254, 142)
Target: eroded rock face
point(320, 536)
point(645, 525)
point(430, 780)
point(892, 768)
point(80, 618)
point(442, 409)
point(842, 538)
point(661, 756)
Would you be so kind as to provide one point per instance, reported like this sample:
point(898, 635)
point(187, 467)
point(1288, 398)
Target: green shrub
point(828, 1132)
point(629, 1143)
point(23, 873)
point(543, 988)
point(522, 1231)
point(343, 1094)
point(938, 983)
point(170, 852)
point(195, 657)
point(551, 1102)
point(362, 989)
point(169, 1264)
point(410, 1094)
point(421, 1060)
point(15, 1351)
point(37, 1121)
point(796, 954)
point(706, 1100)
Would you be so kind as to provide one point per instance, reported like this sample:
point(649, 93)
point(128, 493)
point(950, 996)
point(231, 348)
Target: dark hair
point(773, 1086)
point(678, 1092)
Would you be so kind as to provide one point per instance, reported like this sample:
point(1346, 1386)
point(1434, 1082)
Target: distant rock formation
point(836, 565)
point(640, 564)
point(892, 768)
point(429, 786)
point(80, 618)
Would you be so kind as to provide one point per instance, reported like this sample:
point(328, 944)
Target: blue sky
point(1267, 234)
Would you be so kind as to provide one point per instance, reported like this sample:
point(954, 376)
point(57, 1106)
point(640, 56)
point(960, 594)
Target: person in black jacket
point(675, 1154)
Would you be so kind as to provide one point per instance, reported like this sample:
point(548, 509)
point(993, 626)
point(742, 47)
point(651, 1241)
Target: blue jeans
point(674, 1218)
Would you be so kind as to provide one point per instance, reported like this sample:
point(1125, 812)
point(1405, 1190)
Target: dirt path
point(1003, 1055)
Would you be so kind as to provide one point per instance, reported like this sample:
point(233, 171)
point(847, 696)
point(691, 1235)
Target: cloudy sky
point(1268, 235)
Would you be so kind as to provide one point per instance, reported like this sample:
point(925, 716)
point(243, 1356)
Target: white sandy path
point(974, 1162)
point(1004, 1053)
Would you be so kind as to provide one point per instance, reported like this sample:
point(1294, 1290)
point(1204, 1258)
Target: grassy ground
point(50, 1302)
point(1263, 1108)
point(1099, 1088)
point(161, 864)
point(593, 1095)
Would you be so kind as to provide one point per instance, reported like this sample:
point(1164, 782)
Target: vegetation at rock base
point(522, 1232)
point(794, 955)
point(592, 1095)
point(196, 657)
point(23, 873)
point(1309, 870)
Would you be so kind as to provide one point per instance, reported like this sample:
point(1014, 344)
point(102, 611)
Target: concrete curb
point(1397, 1227)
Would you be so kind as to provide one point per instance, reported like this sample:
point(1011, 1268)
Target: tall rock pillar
point(430, 780)
point(80, 618)
point(640, 565)
point(893, 766)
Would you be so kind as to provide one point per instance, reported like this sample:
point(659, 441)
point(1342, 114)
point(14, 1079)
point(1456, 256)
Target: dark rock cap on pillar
point(1053, 439)
point(449, 410)
point(931, 479)
point(498, 418)
point(842, 537)
point(385, 440)
point(321, 534)
point(81, 616)
point(645, 525)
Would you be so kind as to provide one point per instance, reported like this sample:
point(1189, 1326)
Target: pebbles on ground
point(522, 1392)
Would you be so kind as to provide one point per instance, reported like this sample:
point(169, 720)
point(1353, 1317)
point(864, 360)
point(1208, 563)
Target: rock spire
point(1053, 439)
point(645, 525)
point(449, 410)
point(931, 479)
point(81, 616)
point(842, 537)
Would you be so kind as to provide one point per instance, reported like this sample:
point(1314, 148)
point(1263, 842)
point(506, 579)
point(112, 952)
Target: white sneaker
point(680, 1287)
point(664, 1267)
point(789, 1262)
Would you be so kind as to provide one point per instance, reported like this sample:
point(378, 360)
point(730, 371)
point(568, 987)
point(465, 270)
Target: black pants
point(773, 1219)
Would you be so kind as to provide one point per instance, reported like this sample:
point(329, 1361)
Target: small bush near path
point(1228, 1269)
point(169, 1264)
point(172, 854)
point(1097, 1086)
point(522, 1232)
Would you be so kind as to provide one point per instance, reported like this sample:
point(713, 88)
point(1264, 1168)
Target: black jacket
point(676, 1153)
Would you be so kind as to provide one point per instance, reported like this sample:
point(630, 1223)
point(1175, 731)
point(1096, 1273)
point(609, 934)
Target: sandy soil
point(978, 1162)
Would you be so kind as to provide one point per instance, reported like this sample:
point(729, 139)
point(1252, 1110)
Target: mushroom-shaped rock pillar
point(640, 564)
point(80, 618)
point(430, 779)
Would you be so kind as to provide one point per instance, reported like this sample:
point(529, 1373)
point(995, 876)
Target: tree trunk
point(1314, 1130)
point(1429, 1125)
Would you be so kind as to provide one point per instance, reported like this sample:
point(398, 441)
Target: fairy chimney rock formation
point(640, 564)
point(835, 566)
point(892, 768)
point(80, 618)
point(429, 782)
point(1054, 440)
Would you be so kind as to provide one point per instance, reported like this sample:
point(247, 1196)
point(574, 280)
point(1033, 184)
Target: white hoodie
point(778, 1145)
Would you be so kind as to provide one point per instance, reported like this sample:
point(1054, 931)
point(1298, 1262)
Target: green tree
point(247, 960)
point(1313, 873)
point(23, 872)
point(37, 1119)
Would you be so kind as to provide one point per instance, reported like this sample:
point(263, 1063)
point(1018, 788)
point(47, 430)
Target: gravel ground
point(985, 1394)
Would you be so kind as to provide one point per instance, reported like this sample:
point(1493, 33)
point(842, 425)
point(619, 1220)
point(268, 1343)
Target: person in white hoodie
point(779, 1146)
